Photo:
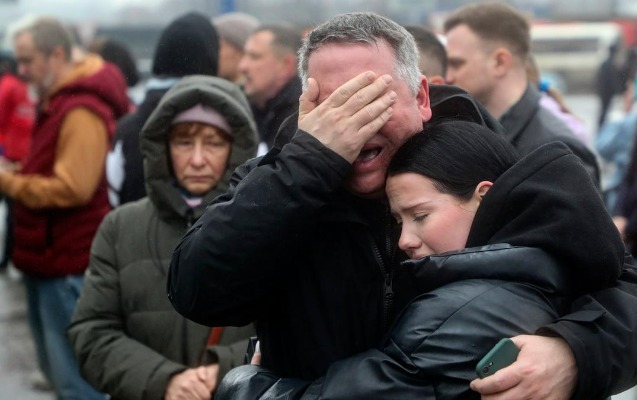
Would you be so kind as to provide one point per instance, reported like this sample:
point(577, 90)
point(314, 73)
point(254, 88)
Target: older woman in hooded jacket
point(128, 339)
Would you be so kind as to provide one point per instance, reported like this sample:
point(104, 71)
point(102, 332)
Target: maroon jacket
point(55, 242)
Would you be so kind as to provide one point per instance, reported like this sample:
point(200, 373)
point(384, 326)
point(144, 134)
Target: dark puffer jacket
point(127, 337)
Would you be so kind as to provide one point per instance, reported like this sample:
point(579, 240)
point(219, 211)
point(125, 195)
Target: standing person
point(321, 278)
point(201, 130)
point(234, 29)
point(468, 215)
point(614, 143)
point(488, 46)
point(608, 82)
point(17, 111)
point(17, 114)
point(270, 79)
point(187, 46)
point(59, 194)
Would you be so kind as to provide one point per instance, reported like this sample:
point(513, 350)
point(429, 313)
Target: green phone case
point(501, 355)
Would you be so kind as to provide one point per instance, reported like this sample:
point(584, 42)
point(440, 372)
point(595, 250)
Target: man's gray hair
point(365, 28)
point(48, 33)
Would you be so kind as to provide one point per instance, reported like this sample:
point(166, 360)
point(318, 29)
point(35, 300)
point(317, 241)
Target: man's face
point(262, 67)
point(33, 64)
point(469, 63)
point(334, 64)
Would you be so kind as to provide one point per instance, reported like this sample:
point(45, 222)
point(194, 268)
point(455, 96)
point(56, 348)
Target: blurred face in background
point(229, 58)
point(264, 68)
point(470, 63)
point(34, 66)
point(199, 154)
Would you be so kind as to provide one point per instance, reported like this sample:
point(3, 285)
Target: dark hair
point(7, 64)
point(119, 54)
point(495, 22)
point(456, 155)
point(433, 56)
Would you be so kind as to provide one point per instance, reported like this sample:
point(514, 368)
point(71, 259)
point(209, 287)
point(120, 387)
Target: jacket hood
point(102, 79)
point(451, 102)
point(188, 46)
point(217, 93)
point(547, 200)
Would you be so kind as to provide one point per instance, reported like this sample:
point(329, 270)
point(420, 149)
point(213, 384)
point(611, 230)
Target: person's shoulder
point(449, 101)
point(131, 211)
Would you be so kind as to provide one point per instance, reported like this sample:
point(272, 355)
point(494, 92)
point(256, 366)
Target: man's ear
point(502, 60)
point(422, 97)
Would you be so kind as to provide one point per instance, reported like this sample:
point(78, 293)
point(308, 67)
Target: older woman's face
point(199, 156)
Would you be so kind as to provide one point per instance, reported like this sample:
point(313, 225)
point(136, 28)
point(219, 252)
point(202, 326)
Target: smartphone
point(501, 355)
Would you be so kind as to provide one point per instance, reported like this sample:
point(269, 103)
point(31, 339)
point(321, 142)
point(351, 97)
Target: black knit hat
point(188, 46)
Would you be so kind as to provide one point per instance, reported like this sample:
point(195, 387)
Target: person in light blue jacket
point(613, 143)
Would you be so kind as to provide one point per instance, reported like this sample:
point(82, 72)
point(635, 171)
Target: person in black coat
point(303, 241)
point(189, 45)
point(495, 252)
point(608, 82)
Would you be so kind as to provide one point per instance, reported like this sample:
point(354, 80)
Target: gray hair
point(48, 33)
point(365, 28)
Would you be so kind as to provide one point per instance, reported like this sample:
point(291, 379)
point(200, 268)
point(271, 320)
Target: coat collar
point(520, 114)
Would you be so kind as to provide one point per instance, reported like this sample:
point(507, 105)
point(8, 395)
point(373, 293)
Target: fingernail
point(392, 95)
point(387, 79)
point(370, 76)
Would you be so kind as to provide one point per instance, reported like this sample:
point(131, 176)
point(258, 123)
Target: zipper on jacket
point(388, 290)
point(190, 218)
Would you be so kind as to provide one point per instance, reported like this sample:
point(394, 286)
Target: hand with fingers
point(545, 370)
point(194, 383)
point(350, 116)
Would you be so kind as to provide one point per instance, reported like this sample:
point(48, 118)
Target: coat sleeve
point(431, 353)
point(602, 332)
point(231, 351)
point(109, 359)
point(237, 251)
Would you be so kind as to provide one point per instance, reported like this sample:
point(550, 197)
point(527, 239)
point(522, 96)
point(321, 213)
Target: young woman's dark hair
point(456, 155)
